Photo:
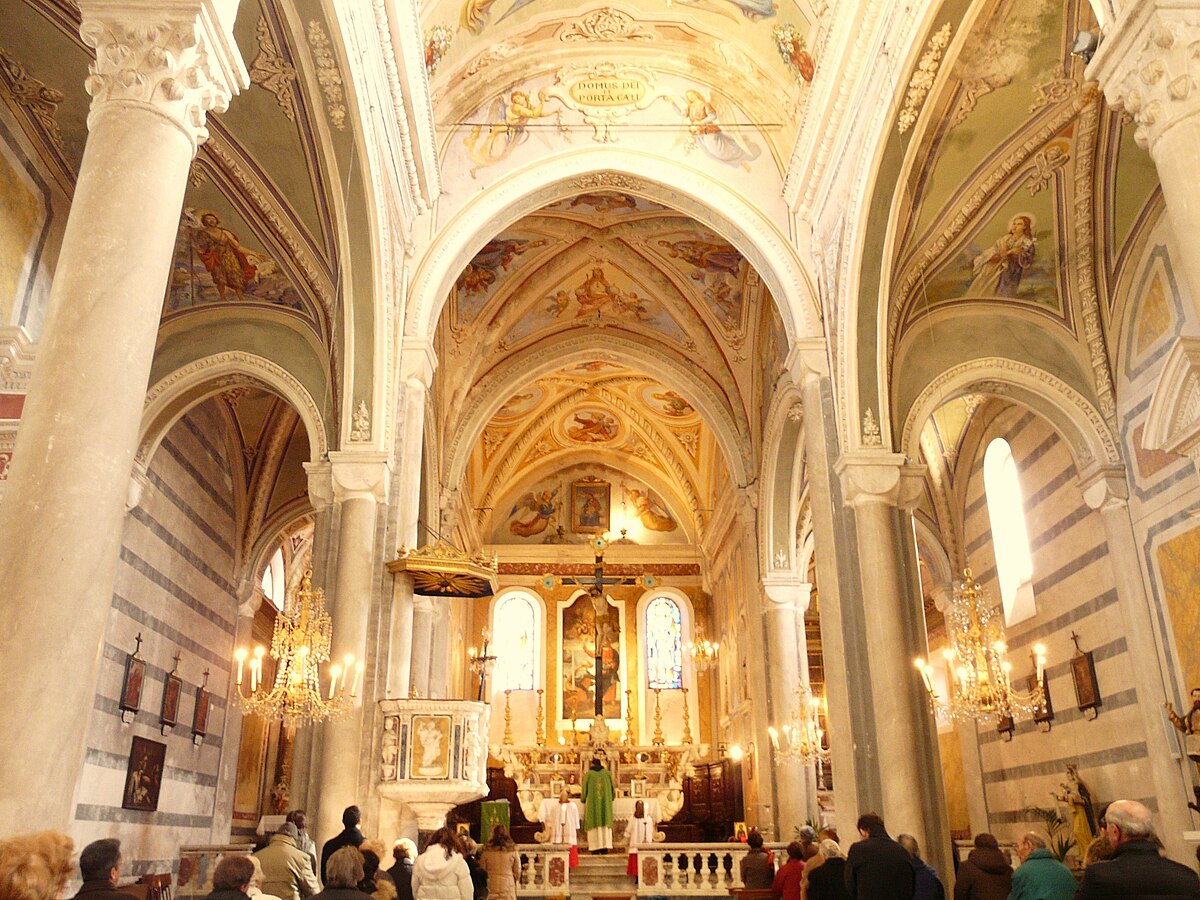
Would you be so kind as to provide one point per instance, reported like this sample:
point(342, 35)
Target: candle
point(258, 665)
point(774, 736)
point(334, 671)
point(240, 656)
point(358, 670)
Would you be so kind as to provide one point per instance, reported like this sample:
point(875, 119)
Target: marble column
point(1106, 490)
point(788, 669)
point(159, 69)
point(1145, 65)
point(359, 480)
point(851, 725)
point(422, 644)
point(439, 653)
point(882, 489)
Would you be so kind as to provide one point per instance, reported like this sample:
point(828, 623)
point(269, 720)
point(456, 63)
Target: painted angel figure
point(506, 129)
point(542, 505)
point(705, 132)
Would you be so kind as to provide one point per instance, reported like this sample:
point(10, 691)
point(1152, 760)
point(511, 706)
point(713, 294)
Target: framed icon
point(590, 506)
point(172, 693)
point(143, 778)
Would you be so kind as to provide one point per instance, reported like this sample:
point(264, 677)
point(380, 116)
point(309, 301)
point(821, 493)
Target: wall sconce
point(1043, 715)
point(736, 753)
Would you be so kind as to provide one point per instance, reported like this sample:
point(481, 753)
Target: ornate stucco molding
point(1173, 420)
point(41, 103)
point(1148, 65)
point(176, 58)
point(922, 79)
point(271, 70)
point(329, 74)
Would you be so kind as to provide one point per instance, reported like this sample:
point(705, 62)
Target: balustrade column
point(1145, 65)
point(882, 490)
point(359, 482)
point(159, 69)
point(1106, 491)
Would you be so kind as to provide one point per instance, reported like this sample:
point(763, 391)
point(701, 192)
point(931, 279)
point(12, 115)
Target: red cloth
point(573, 857)
point(787, 880)
point(631, 866)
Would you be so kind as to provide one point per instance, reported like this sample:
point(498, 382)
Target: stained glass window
point(514, 636)
point(664, 644)
point(1010, 536)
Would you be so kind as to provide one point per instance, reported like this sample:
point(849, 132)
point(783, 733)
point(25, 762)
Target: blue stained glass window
point(514, 635)
point(664, 644)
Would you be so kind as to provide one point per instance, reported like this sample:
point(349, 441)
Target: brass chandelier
point(703, 652)
point(980, 674)
point(299, 645)
point(802, 736)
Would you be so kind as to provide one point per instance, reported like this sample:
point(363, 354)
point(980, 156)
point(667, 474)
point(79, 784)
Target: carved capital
point(1104, 486)
point(320, 484)
point(1147, 65)
point(357, 475)
point(788, 589)
point(176, 58)
point(1173, 420)
point(808, 359)
point(880, 477)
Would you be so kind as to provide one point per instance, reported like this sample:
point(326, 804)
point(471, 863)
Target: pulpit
point(433, 755)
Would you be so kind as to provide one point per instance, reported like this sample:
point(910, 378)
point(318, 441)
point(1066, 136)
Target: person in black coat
point(100, 866)
point(828, 880)
point(404, 851)
point(877, 868)
point(1135, 869)
point(231, 878)
point(351, 836)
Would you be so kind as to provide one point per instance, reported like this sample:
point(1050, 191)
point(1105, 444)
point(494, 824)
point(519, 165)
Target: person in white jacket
point(440, 873)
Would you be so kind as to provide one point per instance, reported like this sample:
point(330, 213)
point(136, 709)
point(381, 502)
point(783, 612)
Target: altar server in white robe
point(641, 833)
point(564, 826)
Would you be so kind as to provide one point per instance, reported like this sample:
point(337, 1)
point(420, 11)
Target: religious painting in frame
point(1087, 686)
point(637, 788)
point(131, 687)
point(200, 713)
point(1044, 714)
point(590, 506)
point(172, 692)
point(143, 779)
point(577, 661)
point(558, 784)
point(430, 760)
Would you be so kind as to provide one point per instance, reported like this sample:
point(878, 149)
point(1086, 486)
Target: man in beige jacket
point(287, 870)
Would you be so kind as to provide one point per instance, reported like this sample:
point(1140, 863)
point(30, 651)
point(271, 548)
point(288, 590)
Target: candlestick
point(508, 716)
point(658, 740)
point(687, 719)
point(574, 727)
point(541, 720)
point(628, 718)
point(334, 672)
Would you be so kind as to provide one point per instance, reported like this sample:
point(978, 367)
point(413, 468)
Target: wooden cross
point(138, 648)
point(178, 654)
point(1075, 638)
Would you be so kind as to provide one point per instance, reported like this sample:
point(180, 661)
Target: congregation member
point(255, 890)
point(350, 836)
point(788, 880)
point(100, 867)
point(343, 875)
point(928, 885)
point(598, 794)
point(877, 868)
point(35, 866)
point(232, 878)
point(305, 843)
point(828, 880)
point(1040, 876)
point(986, 873)
point(440, 872)
point(470, 851)
point(757, 867)
point(287, 870)
point(502, 864)
point(404, 852)
point(828, 833)
point(1136, 869)
point(375, 881)
point(807, 835)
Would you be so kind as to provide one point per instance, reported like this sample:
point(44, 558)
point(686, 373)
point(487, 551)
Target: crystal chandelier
point(977, 661)
point(703, 651)
point(801, 736)
point(300, 644)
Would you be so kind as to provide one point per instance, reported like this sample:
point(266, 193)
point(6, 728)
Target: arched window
point(273, 584)
point(1010, 537)
point(664, 645)
point(515, 631)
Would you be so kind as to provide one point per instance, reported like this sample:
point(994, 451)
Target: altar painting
point(577, 653)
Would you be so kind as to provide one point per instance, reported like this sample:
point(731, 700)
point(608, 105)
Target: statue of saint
point(1078, 800)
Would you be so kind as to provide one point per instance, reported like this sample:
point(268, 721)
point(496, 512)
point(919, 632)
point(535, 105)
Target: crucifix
point(596, 585)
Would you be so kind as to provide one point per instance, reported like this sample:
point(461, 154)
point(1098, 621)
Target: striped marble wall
point(174, 586)
point(1074, 591)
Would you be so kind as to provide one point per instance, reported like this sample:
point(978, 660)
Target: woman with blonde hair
point(503, 865)
point(343, 872)
point(35, 866)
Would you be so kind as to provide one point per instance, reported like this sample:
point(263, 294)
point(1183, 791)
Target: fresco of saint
point(998, 269)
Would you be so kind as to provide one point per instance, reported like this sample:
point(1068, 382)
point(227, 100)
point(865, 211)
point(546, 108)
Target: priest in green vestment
point(598, 793)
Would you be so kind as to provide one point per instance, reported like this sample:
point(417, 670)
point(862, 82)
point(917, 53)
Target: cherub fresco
point(672, 404)
point(496, 255)
point(604, 202)
point(591, 426)
point(704, 131)
point(533, 513)
point(651, 511)
point(705, 255)
point(506, 130)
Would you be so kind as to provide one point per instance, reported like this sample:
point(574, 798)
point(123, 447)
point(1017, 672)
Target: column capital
point(418, 361)
point(1147, 67)
point(880, 477)
point(357, 474)
point(808, 359)
point(1104, 486)
point(320, 484)
point(788, 589)
point(176, 58)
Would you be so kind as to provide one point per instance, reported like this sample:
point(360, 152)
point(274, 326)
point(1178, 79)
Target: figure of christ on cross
point(596, 586)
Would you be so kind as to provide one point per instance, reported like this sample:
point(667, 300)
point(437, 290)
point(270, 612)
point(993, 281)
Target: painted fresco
point(591, 426)
point(486, 272)
point(667, 403)
point(578, 655)
point(605, 203)
point(1179, 568)
point(715, 268)
point(1014, 257)
point(534, 512)
point(650, 510)
point(216, 261)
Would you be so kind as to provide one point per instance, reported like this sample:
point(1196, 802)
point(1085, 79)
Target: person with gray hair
point(828, 880)
point(1136, 869)
point(929, 885)
point(1040, 876)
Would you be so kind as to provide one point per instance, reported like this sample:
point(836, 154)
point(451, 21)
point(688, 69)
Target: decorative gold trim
point(923, 78)
point(272, 72)
point(440, 570)
point(329, 76)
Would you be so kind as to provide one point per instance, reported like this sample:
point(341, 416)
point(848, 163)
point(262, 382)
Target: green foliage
point(1058, 830)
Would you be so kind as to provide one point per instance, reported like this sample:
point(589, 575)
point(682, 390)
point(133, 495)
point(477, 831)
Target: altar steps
point(601, 876)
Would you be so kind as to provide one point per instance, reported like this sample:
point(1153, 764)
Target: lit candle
point(334, 671)
point(240, 655)
point(258, 665)
point(358, 670)
point(774, 736)
point(1039, 651)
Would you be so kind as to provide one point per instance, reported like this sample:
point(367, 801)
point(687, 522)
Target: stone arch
point(1068, 411)
point(782, 466)
point(490, 394)
point(187, 386)
point(665, 181)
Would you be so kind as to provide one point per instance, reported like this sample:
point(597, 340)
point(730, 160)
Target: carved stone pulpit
point(433, 755)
